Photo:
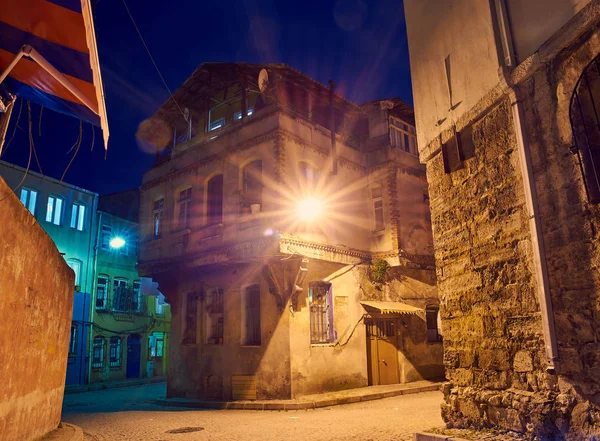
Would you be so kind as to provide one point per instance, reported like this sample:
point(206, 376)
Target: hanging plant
point(379, 270)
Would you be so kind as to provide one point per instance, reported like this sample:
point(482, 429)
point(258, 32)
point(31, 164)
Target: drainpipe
point(92, 303)
point(506, 53)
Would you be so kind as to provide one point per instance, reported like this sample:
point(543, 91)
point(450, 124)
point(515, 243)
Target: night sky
point(361, 45)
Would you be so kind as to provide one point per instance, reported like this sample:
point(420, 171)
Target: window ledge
point(251, 346)
point(181, 231)
point(322, 345)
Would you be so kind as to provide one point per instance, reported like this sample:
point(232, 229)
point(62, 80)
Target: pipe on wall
point(506, 55)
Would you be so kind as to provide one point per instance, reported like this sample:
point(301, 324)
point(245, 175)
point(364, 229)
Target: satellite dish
point(263, 80)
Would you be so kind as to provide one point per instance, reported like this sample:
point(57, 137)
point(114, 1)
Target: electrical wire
point(15, 128)
point(93, 138)
point(40, 122)
point(152, 59)
point(76, 150)
point(31, 143)
point(341, 345)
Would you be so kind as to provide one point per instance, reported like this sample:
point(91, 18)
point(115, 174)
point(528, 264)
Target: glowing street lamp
point(117, 242)
point(310, 209)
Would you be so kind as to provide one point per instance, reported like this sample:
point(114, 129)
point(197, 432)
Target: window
point(458, 149)
point(120, 295)
point(214, 125)
point(101, 292)
point(215, 317)
point(191, 318)
point(584, 114)
point(238, 115)
point(98, 352)
point(115, 352)
point(124, 250)
point(54, 210)
point(309, 175)
point(252, 183)
point(183, 207)
point(29, 198)
point(432, 316)
point(156, 344)
point(76, 267)
point(251, 318)
point(136, 299)
point(320, 297)
point(106, 236)
point(403, 135)
point(214, 209)
point(377, 201)
point(157, 212)
point(73, 341)
point(77, 216)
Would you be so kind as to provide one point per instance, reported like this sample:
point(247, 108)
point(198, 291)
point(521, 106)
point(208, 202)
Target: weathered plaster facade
point(195, 257)
point(498, 338)
point(36, 286)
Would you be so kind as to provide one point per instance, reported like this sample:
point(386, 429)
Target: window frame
point(215, 317)
point(73, 341)
point(251, 316)
point(377, 211)
point(54, 215)
point(79, 264)
point(78, 211)
point(183, 205)
point(105, 236)
point(115, 362)
point(190, 322)
point(322, 323)
point(118, 300)
point(98, 344)
point(432, 323)
point(158, 207)
point(106, 288)
point(28, 203)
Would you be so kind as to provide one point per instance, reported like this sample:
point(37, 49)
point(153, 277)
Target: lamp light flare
point(310, 209)
point(117, 242)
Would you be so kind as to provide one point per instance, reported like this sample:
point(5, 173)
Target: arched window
point(584, 114)
point(214, 200)
point(252, 183)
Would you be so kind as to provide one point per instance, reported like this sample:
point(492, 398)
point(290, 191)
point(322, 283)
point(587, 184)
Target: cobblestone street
point(128, 414)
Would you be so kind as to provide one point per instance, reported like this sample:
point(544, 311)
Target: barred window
point(215, 319)
point(320, 296)
point(115, 352)
point(251, 330)
point(101, 292)
point(157, 214)
point(136, 299)
point(120, 295)
point(98, 352)
point(584, 115)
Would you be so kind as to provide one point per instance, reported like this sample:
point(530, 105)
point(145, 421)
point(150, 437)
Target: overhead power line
point(152, 59)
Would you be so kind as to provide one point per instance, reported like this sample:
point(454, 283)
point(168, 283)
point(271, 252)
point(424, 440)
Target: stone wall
point(36, 288)
point(493, 342)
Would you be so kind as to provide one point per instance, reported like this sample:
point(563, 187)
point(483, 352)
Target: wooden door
point(382, 350)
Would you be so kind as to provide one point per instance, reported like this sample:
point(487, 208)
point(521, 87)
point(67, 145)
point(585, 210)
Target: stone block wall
point(493, 343)
point(36, 291)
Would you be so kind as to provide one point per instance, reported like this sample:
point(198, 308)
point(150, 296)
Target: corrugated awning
point(389, 307)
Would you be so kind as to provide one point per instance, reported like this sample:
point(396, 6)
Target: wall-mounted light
point(117, 242)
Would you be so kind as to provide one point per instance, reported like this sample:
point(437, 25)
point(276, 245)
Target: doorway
point(134, 349)
point(382, 350)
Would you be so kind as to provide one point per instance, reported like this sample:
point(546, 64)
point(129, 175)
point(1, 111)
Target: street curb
point(297, 405)
point(112, 385)
point(425, 436)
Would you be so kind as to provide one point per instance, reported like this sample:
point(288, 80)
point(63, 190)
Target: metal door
point(382, 351)
point(134, 348)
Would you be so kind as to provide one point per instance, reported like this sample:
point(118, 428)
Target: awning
point(389, 307)
point(48, 50)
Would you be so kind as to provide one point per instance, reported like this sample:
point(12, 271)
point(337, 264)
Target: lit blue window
point(216, 124)
point(29, 198)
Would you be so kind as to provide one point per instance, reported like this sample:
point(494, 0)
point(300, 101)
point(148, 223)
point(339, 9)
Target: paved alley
point(128, 414)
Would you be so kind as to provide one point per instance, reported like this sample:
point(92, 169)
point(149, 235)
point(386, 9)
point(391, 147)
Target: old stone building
point(289, 230)
point(507, 96)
